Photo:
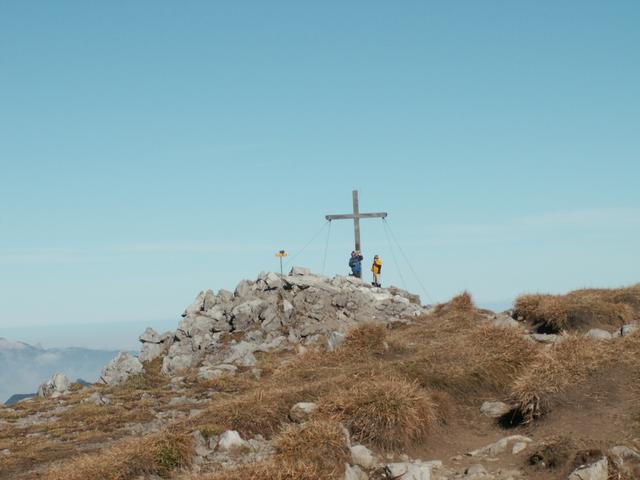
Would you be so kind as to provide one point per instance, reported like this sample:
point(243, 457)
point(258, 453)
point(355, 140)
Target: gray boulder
point(628, 329)
point(598, 334)
point(363, 457)
point(302, 411)
point(501, 446)
point(505, 322)
point(299, 271)
point(153, 344)
point(196, 306)
point(231, 441)
point(544, 337)
point(180, 357)
point(596, 471)
point(120, 369)
point(353, 472)
point(150, 336)
point(57, 385)
point(408, 471)
point(247, 314)
point(150, 351)
point(495, 409)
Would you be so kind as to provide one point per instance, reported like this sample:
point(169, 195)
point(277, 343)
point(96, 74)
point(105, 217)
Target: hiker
point(355, 262)
point(376, 269)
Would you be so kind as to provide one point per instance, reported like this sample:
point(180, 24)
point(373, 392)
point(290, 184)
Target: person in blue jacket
point(355, 262)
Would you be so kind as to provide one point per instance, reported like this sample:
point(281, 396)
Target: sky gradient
point(149, 150)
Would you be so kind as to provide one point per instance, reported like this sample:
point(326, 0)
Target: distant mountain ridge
point(23, 367)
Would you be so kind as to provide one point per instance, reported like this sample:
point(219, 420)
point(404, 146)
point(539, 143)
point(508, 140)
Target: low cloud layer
point(23, 369)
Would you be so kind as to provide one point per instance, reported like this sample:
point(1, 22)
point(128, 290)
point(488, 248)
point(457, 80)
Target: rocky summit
point(222, 331)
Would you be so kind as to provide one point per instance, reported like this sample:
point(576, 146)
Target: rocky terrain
point(309, 377)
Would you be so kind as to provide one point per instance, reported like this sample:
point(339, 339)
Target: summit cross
point(356, 216)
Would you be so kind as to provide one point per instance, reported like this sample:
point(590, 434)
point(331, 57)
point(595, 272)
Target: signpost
point(281, 254)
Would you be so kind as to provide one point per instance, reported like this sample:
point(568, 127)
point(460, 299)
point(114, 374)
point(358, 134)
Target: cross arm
point(361, 215)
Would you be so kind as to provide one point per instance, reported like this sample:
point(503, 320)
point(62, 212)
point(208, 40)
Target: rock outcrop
point(272, 313)
point(57, 385)
point(120, 369)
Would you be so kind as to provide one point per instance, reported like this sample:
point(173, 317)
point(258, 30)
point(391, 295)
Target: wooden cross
point(356, 216)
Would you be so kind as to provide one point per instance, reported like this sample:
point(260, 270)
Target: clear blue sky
point(151, 149)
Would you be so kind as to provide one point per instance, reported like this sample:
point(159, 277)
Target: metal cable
point(409, 263)
point(291, 259)
point(393, 254)
point(326, 248)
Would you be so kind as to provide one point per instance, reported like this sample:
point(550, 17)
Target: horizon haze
point(150, 150)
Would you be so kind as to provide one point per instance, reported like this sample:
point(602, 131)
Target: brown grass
point(466, 359)
point(366, 339)
point(553, 371)
point(581, 309)
point(460, 304)
point(389, 413)
point(323, 443)
point(158, 454)
point(315, 450)
point(268, 470)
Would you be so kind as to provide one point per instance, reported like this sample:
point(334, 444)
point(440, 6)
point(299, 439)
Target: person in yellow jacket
point(376, 269)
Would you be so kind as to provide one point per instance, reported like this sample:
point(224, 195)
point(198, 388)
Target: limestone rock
point(495, 409)
point(544, 337)
point(97, 399)
point(207, 372)
point(408, 471)
point(299, 271)
point(506, 322)
point(625, 453)
point(354, 473)
point(273, 314)
point(598, 334)
point(475, 471)
point(120, 369)
point(231, 441)
point(196, 306)
point(501, 446)
point(241, 354)
point(247, 314)
point(628, 329)
point(519, 447)
point(301, 412)
point(180, 357)
point(150, 336)
point(334, 340)
point(57, 385)
point(363, 457)
point(595, 471)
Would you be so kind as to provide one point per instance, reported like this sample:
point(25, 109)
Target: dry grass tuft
point(553, 453)
point(366, 339)
point(159, 454)
point(565, 364)
point(468, 360)
point(320, 442)
point(387, 413)
point(460, 303)
point(260, 411)
point(269, 470)
point(315, 450)
point(581, 309)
